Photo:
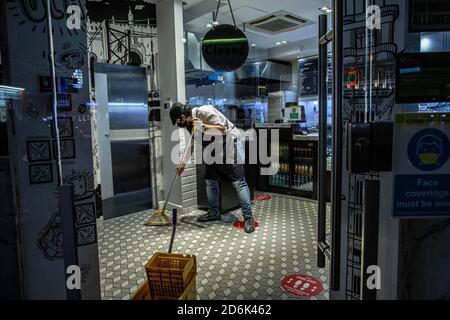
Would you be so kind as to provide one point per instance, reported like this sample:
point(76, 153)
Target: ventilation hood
point(194, 64)
point(264, 70)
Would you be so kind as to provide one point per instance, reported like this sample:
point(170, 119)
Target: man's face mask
point(190, 127)
point(181, 122)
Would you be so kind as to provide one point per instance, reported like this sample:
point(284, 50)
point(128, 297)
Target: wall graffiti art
point(67, 148)
point(86, 235)
point(83, 183)
point(65, 126)
point(41, 173)
point(383, 48)
point(34, 13)
point(95, 154)
point(85, 213)
point(38, 151)
point(72, 59)
point(50, 239)
point(32, 111)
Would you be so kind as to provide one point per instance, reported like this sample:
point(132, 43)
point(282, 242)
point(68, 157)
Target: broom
point(160, 217)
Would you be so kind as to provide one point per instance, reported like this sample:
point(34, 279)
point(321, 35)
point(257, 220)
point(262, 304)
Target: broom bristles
point(159, 218)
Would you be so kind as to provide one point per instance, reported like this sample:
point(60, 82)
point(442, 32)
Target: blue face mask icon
point(429, 150)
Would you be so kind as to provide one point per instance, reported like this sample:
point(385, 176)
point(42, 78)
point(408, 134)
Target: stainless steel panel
point(131, 165)
point(127, 96)
point(129, 127)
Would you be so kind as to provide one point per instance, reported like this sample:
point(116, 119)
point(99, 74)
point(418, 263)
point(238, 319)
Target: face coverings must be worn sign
point(421, 165)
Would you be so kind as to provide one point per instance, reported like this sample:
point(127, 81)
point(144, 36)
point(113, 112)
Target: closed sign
point(225, 48)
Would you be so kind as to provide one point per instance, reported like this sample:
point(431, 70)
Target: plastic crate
point(169, 275)
point(190, 293)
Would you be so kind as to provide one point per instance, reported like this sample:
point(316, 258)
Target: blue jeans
point(243, 192)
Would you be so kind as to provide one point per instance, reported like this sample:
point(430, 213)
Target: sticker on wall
point(86, 235)
point(301, 285)
point(67, 148)
point(225, 48)
point(429, 149)
point(82, 108)
point(51, 237)
point(83, 183)
point(85, 213)
point(40, 173)
point(38, 150)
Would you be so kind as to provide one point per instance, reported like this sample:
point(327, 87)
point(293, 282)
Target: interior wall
point(35, 172)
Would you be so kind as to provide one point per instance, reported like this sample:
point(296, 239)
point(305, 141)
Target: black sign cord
point(217, 12)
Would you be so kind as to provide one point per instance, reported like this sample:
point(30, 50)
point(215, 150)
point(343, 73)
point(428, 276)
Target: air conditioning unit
point(278, 22)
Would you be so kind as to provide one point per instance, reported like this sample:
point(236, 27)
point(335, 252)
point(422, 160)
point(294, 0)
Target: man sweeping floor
point(211, 121)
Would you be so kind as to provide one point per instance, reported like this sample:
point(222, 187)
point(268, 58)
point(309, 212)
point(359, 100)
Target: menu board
point(309, 76)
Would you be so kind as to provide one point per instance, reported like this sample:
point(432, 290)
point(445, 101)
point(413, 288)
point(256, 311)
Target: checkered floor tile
point(231, 264)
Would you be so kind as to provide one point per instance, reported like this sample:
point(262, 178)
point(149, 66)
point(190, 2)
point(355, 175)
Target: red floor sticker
point(240, 224)
point(262, 197)
point(301, 285)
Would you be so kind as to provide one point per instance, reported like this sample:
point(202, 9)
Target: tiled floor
point(231, 264)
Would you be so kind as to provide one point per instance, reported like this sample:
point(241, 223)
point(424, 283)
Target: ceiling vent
point(279, 22)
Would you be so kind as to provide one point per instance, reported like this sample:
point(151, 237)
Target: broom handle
point(176, 175)
point(168, 195)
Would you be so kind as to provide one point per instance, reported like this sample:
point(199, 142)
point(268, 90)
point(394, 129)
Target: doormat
point(301, 285)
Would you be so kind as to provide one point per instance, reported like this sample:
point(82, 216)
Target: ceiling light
point(253, 45)
point(284, 42)
point(325, 9)
point(215, 23)
point(209, 25)
point(278, 43)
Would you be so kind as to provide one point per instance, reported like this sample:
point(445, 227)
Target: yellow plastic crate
point(190, 293)
point(170, 276)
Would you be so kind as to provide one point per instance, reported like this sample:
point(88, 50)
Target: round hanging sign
point(225, 48)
